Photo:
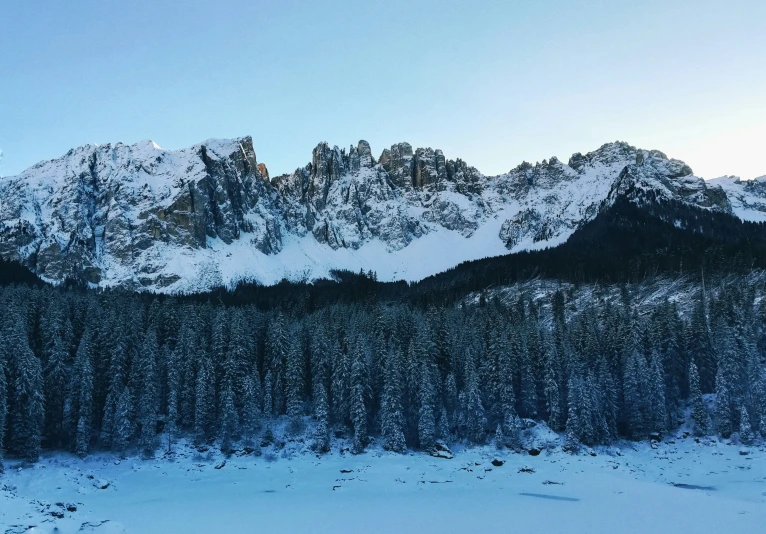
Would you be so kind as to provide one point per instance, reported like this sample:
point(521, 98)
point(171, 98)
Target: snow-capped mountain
point(139, 216)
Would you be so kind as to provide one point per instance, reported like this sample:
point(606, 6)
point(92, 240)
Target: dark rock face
point(398, 162)
point(105, 201)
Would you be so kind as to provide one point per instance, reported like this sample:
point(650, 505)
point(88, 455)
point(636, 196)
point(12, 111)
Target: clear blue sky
point(491, 82)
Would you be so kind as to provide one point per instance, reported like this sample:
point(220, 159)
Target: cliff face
point(139, 216)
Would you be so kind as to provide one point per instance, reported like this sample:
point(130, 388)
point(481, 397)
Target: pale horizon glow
point(492, 83)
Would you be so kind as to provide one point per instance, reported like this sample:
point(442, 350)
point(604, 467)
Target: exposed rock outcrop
point(143, 217)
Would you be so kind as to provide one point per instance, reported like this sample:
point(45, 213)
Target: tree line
point(84, 371)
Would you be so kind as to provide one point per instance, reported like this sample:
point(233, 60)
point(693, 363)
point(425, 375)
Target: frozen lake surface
point(678, 487)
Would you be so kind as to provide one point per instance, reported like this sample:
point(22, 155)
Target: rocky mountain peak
point(140, 216)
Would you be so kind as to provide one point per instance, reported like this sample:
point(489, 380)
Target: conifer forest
point(116, 371)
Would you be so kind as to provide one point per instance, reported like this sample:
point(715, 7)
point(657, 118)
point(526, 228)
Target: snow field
point(626, 488)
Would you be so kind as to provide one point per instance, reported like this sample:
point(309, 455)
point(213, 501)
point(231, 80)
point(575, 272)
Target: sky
point(491, 82)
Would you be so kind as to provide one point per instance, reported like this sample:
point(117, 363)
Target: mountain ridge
point(141, 217)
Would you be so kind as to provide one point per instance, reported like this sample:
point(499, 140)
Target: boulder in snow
point(440, 450)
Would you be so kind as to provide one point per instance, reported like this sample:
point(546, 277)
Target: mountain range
point(144, 218)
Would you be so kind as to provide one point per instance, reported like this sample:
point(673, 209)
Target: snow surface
point(746, 196)
point(626, 488)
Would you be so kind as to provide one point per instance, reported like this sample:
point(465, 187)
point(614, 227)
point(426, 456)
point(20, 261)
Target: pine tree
point(80, 401)
point(499, 437)
point(28, 416)
point(451, 403)
point(55, 379)
point(746, 435)
point(699, 344)
point(725, 384)
point(700, 417)
point(322, 415)
point(229, 418)
point(251, 409)
point(657, 402)
point(3, 412)
point(123, 421)
point(277, 349)
point(634, 394)
point(146, 398)
point(118, 364)
point(340, 378)
point(391, 417)
point(474, 409)
point(552, 393)
point(173, 389)
point(294, 383)
point(204, 408)
point(426, 420)
point(358, 409)
point(442, 425)
point(268, 403)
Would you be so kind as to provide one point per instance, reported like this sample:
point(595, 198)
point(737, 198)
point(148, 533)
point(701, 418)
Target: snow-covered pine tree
point(634, 395)
point(55, 379)
point(295, 382)
point(147, 397)
point(699, 344)
point(123, 421)
point(427, 420)
point(173, 389)
point(205, 402)
point(229, 424)
point(229, 417)
point(760, 388)
point(251, 408)
point(499, 436)
point(552, 390)
point(391, 416)
point(700, 417)
point(28, 414)
point(725, 405)
point(358, 409)
point(117, 347)
point(268, 403)
point(442, 425)
point(277, 349)
point(658, 415)
point(322, 415)
point(3, 412)
point(341, 375)
point(451, 403)
point(476, 420)
point(746, 435)
point(80, 401)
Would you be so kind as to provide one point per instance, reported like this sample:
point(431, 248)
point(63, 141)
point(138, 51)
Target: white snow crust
point(679, 486)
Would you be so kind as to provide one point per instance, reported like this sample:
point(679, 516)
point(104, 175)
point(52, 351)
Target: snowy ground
point(631, 488)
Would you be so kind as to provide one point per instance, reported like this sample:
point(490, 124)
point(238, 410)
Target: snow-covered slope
point(139, 216)
point(747, 197)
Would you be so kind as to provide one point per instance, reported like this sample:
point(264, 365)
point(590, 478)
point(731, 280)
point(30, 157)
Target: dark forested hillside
point(589, 351)
point(626, 243)
point(82, 370)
